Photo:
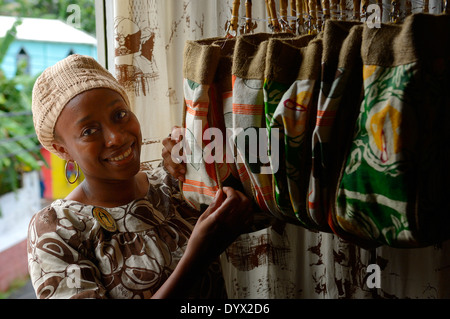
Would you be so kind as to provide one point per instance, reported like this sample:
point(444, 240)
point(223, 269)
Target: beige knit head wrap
point(58, 84)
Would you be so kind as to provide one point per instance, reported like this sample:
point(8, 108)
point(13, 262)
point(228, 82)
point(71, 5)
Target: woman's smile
point(122, 158)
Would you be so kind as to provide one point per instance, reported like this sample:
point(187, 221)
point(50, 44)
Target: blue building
point(43, 42)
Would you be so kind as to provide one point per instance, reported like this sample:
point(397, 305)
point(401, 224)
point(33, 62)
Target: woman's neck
point(110, 193)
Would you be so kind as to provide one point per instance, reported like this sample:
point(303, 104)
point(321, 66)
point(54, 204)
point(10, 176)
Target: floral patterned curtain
point(149, 38)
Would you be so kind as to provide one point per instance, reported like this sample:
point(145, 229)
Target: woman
point(123, 232)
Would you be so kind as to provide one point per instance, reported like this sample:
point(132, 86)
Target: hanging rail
point(308, 16)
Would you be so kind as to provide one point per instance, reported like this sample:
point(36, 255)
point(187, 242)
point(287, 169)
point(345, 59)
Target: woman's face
point(97, 130)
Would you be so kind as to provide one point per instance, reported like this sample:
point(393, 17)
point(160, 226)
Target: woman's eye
point(121, 114)
point(89, 131)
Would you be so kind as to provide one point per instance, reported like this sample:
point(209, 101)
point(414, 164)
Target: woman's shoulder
point(61, 215)
point(46, 217)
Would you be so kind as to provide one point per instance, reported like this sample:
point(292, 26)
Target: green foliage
point(19, 147)
point(50, 9)
point(8, 39)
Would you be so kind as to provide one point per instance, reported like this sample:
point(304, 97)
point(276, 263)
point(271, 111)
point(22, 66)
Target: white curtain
point(282, 261)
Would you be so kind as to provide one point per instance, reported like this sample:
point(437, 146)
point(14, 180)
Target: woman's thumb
point(215, 204)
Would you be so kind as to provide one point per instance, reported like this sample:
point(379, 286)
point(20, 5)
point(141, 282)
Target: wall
point(55, 184)
point(17, 209)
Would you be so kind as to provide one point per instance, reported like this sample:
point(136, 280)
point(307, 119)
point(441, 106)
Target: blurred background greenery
point(19, 147)
point(51, 9)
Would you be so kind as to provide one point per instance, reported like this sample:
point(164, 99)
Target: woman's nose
point(113, 135)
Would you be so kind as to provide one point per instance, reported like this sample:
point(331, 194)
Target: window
point(23, 62)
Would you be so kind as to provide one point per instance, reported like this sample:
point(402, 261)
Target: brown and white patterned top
point(71, 256)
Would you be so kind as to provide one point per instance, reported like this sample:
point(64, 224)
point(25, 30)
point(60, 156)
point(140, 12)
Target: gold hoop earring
point(77, 174)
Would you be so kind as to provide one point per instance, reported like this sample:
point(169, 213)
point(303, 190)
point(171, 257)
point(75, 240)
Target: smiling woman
point(123, 232)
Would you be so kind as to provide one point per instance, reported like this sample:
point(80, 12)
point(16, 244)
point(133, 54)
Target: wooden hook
point(426, 6)
point(364, 5)
point(273, 16)
point(299, 15)
point(446, 8)
point(293, 14)
point(249, 24)
point(356, 10)
point(334, 9)
point(408, 7)
point(319, 16)
point(395, 11)
point(326, 9)
point(231, 26)
point(312, 17)
point(343, 7)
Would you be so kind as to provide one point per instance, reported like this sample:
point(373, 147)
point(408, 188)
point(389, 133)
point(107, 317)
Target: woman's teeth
point(122, 156)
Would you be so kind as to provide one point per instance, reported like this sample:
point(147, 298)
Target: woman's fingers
point(222, 222)
point(235, 211)
point(173, 159)
point(215, 204)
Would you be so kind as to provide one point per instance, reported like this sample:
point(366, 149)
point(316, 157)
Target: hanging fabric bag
point(393, 187)
point(283, 60)
point(248, 118)
point(200, 62)
point(295, 116)
point(333, 82)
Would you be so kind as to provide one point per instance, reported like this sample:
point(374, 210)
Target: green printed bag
point(294, 117)
point(393, 187)
point(344, 98)
point(248, 119)
point(283, 60)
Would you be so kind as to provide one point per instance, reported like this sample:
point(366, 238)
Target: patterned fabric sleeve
point(58, 266)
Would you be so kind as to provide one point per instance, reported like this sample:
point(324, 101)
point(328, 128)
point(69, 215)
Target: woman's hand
point(175, 164)
point(225, 218)
point(228, 216)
